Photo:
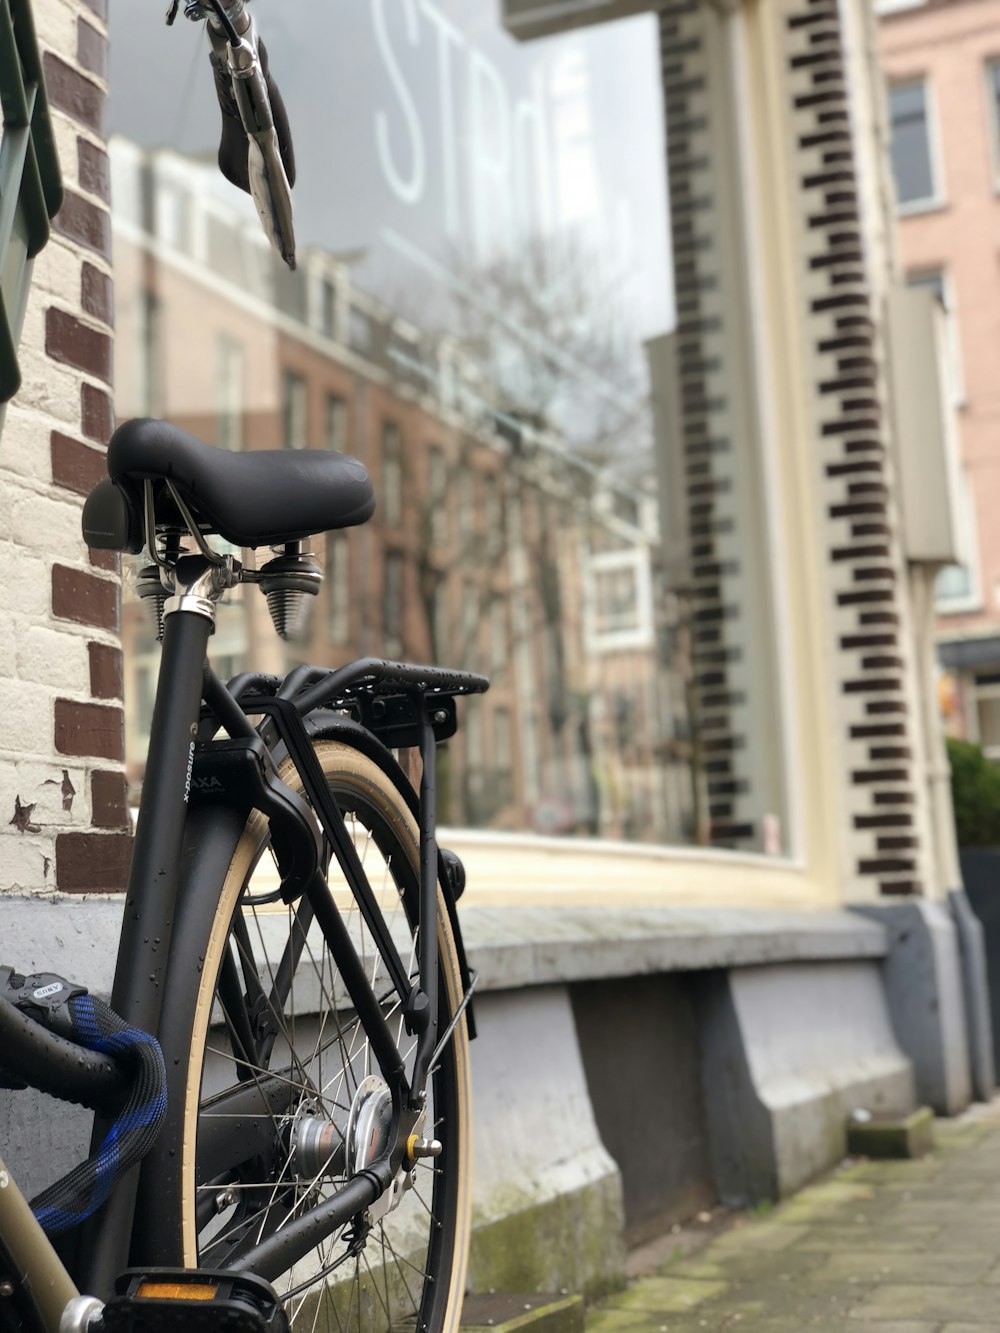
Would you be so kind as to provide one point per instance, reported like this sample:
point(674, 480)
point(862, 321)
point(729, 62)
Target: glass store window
point(483, 240)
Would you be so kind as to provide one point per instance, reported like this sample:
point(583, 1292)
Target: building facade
point(708, 623)
point(942, 65)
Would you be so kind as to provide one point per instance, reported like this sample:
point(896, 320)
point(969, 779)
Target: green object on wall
point(30, 183)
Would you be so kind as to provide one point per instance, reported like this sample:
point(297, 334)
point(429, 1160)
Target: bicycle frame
point(155, 900)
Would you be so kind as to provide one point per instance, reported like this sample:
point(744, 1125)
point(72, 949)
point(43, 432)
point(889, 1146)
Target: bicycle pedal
point(168, 1300)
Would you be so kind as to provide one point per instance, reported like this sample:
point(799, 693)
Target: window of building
point(337, 578)
point(483, 286)
point(441, 620)
point(230, 389)
point(957, 587)
point(437, 495)
point(470, 620)
point(336, 424)
point(499, 638)
point(327, 308)
point(503, 755)
point(938, 282)
point(393, 604)
point(912, 150)
point(149, 346)
point(295, 411)
point(465, 503)
point(391, 499)
point(493, 514)
point(619, 599)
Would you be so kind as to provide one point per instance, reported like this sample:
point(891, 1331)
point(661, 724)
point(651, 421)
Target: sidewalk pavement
point(877, 1247)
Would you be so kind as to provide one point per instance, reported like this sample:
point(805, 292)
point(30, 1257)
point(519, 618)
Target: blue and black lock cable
point(70, 1012)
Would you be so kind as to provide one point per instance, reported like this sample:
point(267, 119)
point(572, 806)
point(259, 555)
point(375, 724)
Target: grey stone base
point(547, 1212)
point(628, 1061)
point(788, 1053)
point(925, 988)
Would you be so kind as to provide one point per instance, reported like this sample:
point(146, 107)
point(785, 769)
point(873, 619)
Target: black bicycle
point(281, 1080)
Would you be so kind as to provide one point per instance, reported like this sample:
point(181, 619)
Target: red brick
point(75, 465)
point(108, 560)
point(73, 92)
point(92, 862)
point(106, 677)
point(76, 344)
point(91, 49)
point(95, 174)
point(93, 730)
point(85, 222)
point(97, 413)
point(85, 598)
point(109, 800)
point(97, 294)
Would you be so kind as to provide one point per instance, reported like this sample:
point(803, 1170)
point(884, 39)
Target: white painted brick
point(49, 787)
point(25, 582)
point(56, 273)
point(24, 445)
point(49, 524)
point(28, 728)
point(54, 658)
point(49, 387)
point(27, 863)
point(55, 24)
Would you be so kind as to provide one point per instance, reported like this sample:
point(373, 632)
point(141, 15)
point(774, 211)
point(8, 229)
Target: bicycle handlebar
point(255, 148)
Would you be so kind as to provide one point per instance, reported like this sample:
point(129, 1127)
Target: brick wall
point(63, 816)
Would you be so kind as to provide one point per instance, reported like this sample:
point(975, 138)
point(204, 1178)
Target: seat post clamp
point(199, 583)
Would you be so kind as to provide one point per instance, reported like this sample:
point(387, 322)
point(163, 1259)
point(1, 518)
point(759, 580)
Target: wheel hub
point(369, 1125)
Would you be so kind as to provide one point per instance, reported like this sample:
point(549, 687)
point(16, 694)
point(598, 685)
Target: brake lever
point(267, 178)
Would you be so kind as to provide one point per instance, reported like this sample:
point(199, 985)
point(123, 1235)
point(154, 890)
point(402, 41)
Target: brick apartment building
point(493, 548)
point(942, 65)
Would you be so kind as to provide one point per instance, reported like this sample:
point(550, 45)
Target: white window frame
point(294, 409)
point(635, 559)
point(969, 538)
point(230, 393)
point(338, 575)
point(391, 498)
point(886, 7)
point(937, 198)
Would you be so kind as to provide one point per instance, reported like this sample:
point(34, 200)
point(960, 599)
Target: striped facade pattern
point(704, 338)
point(864, 559)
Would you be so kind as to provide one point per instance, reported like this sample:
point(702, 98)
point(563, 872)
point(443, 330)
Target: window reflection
point(475, 284)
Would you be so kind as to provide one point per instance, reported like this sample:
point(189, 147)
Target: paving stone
point(905, 1238)
point(899, 1266)
point(887, 1247)
point(973, 1304)
point(677, 1295)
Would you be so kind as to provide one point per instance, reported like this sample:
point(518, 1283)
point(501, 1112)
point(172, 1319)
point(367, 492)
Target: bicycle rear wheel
point(278, 1064)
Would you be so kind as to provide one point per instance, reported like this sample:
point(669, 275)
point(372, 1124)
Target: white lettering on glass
point(448, 36)
point(410, 187)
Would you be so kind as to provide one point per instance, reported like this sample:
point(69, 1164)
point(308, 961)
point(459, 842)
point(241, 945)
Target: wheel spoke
point(281, 977)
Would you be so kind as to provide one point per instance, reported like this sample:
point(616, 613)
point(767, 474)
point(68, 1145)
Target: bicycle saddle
point(258, 498)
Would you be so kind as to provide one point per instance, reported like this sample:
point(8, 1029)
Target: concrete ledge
point(524, 946)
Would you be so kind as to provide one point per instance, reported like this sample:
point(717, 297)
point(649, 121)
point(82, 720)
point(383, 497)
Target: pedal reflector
point(175, 1300)
point(176, 1291)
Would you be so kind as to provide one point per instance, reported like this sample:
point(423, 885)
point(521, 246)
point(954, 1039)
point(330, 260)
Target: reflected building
point(495, 547)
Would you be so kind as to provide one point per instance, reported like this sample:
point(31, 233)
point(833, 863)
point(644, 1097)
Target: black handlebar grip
point(233, 144)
